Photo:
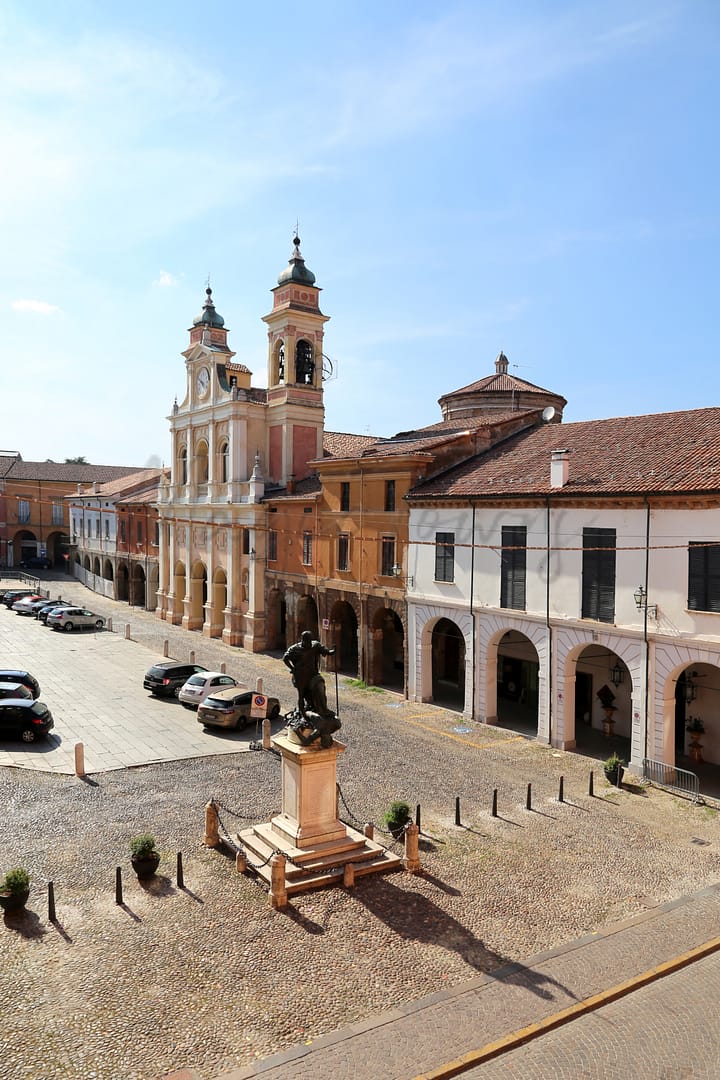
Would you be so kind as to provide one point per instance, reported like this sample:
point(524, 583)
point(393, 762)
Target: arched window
point(281, 361)
point(304, 366)
point(201, 462)
point(224, 454)
point(182, 465)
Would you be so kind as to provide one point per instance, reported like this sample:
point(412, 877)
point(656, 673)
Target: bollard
point(278, 892)
point(457, 809)
point(411, 862)
point(51, 902)
point(417, 817)
point(561, 792)
point(79, 760)
point(192, 656)
point(259, 686)
point(127, 631)
point(528, 800)
point(349, 875)
point(109, 624)
point(179, 876)
point(590, 786)
point(240, 862)
point(166, 647)
point(266, 734)
point(212, 836)
point(493, 812)
point(369, 830)
point(118, 885)
point(223, 668)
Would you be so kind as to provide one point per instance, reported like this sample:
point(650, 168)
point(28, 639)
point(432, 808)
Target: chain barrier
point(229, 842)
point(361, 824)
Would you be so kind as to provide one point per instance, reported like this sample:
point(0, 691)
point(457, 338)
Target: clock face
point(203, 380)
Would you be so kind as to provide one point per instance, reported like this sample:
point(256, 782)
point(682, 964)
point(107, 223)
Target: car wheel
point(99, 624)
point(241, 723)
point(187, 705)
point(176, 692)
point(28, 735)
point(274, 712)
point(68, 626)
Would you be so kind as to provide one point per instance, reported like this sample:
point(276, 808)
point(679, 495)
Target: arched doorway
point(307, 616)
point(198, 596)
point(517, 682)
point(697, 736)
point(447, 647)
point(25, 546)
point(108, 570)
point(602, 710)
point(57, 545)
point(96, 566)
point(179, 590)
point(387, 665)
point(344, 634)
point(153, 586)
point(276, 621)
point(86, 563)
point(122, 582)
point(219, 602)
point(138, 585)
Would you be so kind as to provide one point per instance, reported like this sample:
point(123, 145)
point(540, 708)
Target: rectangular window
point(123, 533)
point(23, 510)
point(97, 528)
point(307, 549)
point(246, 541)
point(345, 495)
point(389, 495)
point(598, 575)
point(272, 545)
point(388, 556)
point(107, 528)
point(57, 513)
point(156, 541)
point(343, 552)
point(445, 556)
point(139, 531)
point(513, 566)
point(704, 577)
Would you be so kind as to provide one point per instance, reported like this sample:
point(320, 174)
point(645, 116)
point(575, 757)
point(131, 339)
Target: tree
point(76, 461)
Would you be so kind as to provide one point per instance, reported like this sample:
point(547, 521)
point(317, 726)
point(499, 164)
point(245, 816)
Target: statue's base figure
point(310, 727)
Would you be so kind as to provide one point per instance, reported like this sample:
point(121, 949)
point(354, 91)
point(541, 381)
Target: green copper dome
point(296, 269)
point(208, 316)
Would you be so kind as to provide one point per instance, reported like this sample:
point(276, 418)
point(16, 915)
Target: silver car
point(74, 618)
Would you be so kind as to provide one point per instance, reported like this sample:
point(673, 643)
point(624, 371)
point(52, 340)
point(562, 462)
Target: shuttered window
point(704, 577)
point(598, 575)
point(444, 556)
point(513, 567)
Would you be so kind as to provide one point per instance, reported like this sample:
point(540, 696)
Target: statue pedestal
point(317, 846)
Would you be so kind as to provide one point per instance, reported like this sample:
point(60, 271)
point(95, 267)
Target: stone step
point(384, 862)
point(260, 843)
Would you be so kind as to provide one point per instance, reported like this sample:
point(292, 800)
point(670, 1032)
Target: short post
point(493, 812)
point(369, 830)
point(528, 800)
point(192, 656)
point(411, 862)
point(457, 809)
point(240, 861)
point(212, 835)
point(590, 786)
point(223, 668)
point(166, 647)
point(127, 631)
point(417, 817)
point(51, 902)
point(180, 877)
point(109, 624)
point(118, 885)
point(349, 875)
point(266, 734)
point(79, 759)
point(258, 686)
point(278, 891)
point(561, 791)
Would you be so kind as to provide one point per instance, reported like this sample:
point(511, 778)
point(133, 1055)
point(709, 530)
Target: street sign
point(258, 708)
point(326, 624)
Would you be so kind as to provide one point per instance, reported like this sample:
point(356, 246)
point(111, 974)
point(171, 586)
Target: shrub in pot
point(397, 817)
point(614, 768)
point(14, 889)
point(144, 856)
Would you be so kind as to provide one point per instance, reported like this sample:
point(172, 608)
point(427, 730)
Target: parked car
point(15, 675)
point(36, 562)
point(165, 678)
point(54, 605)
point(230, 708)
point(23, 606)
point(30, 720)
point(42, 602)
point(198, 686)
point(74, 618)
point(15, 690)
point(11, 595)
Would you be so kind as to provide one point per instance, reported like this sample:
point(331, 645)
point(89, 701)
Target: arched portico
point(447, 664)
point(123, 587)
point(307, 615)
point(216, 614)
point(176, 601)
point(107, 570)
point(276, 620)
point(137, 586)
point(387, 654)
point(517, 666)
point(344, 638)
point(197, 598)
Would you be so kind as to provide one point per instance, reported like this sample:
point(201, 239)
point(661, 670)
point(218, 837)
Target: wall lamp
point(641, 602)
point(690, 688)
point(397, 572)
point(616, 674)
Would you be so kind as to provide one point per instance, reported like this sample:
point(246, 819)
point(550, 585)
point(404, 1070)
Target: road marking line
point(459, 738)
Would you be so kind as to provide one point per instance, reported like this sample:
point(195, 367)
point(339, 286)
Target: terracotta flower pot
point(145, 865)
point(14, 901)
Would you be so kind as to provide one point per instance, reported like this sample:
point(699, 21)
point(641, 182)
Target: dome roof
point(208, 316)
point(296, 269)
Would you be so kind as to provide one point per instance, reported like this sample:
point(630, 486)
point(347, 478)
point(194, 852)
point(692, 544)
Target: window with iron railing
point(23, 510)
point(387, 556)
point(307, 549)
point(343, 552)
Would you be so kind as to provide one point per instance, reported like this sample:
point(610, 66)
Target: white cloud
point(166, 280)
point(38, 307)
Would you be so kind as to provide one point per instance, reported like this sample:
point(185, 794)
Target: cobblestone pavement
point(209, 978)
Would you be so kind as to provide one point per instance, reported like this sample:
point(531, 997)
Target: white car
point(198, 686)
point(74, 618)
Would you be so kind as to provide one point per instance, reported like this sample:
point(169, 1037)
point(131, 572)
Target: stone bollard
point(192, 657)
point(267, 745)
point(223, 668)
point(259, 686)
point(369, 830)
point(109, 625)
point(349, 875)
point(79, 759)
point(212, 835)
point(278, 892)
point(127, 631)
point(411, 861)
point(166, 647)
point(241, 862)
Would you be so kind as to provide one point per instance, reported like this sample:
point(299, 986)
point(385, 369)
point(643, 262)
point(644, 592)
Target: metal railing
point(672, 778)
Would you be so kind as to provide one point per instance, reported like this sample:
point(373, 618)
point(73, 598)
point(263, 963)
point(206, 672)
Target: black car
point(13, 675)
point(165, 678)
point(28, 720)
point(36, 562)
point(42, 613)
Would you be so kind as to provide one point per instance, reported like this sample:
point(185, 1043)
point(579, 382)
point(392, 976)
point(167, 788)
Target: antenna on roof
point(548, 414)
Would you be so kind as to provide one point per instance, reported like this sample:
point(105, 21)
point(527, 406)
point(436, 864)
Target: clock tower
point(296, 413)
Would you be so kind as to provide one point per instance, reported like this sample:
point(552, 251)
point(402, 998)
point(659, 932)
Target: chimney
point(96, 487)
point(558, 468)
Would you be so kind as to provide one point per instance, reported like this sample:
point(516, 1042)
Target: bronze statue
point(312, 719)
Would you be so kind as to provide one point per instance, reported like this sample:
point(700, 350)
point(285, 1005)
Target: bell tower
point(296, 414)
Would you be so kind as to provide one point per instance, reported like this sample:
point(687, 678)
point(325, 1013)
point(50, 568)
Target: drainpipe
point(361, 642)
point(547, 622)
point(472, 615)
point(646, 649)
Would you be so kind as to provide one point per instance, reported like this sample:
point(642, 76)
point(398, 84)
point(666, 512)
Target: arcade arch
point(344, 635)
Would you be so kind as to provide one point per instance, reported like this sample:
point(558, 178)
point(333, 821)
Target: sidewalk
point(420, 1038)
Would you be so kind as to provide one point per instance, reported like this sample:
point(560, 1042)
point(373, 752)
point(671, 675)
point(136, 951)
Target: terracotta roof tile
point(341, 444)
point(66, 472)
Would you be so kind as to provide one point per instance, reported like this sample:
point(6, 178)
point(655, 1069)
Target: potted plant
point(14, 889)
point(144, 857)
point(694, 725)
point(397, 817)
point(614, 767)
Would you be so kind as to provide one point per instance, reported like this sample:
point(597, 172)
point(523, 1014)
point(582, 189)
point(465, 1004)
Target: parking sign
point(258, 707)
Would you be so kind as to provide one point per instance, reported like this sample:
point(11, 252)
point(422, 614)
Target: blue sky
point(537, 177)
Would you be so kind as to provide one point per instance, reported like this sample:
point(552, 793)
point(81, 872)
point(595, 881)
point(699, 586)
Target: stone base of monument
point(316, 844)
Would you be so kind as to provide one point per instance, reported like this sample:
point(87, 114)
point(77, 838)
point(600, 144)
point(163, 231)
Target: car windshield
point(38, 708)
point(196, 680)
